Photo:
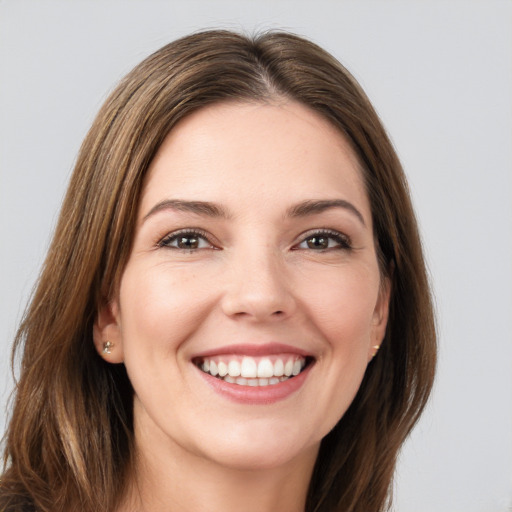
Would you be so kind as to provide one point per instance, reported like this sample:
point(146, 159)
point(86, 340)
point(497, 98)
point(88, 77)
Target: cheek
point(340, 303)
point(342, 306)
point(160, 307)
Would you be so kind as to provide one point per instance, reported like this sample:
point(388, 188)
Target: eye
point(325, 240)
point(186, 241)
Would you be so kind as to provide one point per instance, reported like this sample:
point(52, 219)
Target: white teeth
point(250, 371)
point(234, 368)
point(265, 368)
point(223, 368)
point(248, 368)
point(279, 368)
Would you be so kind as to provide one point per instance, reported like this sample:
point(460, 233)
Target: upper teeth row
point(249, 368)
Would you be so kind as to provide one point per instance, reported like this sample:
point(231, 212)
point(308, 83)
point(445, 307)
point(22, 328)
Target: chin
point(261, 448)
point(262, 460)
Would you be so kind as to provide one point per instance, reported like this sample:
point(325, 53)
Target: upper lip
point(252, 349)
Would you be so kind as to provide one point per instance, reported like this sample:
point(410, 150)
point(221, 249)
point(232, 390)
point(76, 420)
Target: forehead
point(276, 151)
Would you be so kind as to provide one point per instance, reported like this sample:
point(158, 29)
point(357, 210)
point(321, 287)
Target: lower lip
point(257, 395)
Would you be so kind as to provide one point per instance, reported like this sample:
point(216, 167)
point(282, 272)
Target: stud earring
point(107, 347)
point(376, 348)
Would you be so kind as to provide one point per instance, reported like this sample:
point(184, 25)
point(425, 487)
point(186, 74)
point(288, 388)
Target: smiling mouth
point(253, 371)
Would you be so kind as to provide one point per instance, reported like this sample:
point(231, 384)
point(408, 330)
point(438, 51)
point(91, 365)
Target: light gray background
point(440, 75)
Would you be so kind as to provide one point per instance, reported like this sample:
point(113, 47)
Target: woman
point(234, 311)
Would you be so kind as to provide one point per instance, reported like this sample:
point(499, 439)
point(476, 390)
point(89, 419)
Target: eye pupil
point(188, 242)
point(318, 242)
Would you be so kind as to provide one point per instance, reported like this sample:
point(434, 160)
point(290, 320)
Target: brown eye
point(317, 242)
point(325, 240)
point(186, 241)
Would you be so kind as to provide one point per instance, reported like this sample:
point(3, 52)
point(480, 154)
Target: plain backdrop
point(439, 74)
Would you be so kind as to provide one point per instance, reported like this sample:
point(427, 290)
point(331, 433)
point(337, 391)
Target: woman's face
point(253, 255)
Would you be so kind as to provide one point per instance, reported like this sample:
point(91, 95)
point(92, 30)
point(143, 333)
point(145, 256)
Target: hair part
point(72, 409)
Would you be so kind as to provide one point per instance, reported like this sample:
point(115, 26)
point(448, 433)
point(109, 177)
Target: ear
point(380, 317)
point(107, 329)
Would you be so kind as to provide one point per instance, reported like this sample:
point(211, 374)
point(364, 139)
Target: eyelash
point(185, 233)
point(343, 242)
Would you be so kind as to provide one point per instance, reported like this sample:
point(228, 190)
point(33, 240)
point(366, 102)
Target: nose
point(257, 288)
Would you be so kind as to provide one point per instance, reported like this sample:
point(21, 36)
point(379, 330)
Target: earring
point(376, 348)
point(107, 347)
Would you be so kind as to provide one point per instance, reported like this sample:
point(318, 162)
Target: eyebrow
point(198, 207)
point(314, 207)
point(208, 209)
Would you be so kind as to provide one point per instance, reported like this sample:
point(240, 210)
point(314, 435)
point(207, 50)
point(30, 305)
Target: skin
point(256, 277)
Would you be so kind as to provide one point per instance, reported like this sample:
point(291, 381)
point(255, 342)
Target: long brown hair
point(69, 441)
